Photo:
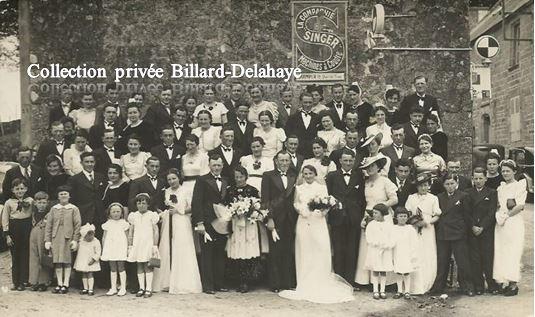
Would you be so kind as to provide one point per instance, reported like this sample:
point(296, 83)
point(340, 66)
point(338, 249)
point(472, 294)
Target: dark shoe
point(42, 288)
point(397, 296)
point(56, 290)
point(209, 292)
point(64, 290)
point(35, 288)
point(479, 292)
point(244, 288)
point(511, 291)
point(133, 291)
point(275, 290)
point(90, 292)
point(83, 292)
point(222, 290)
point(21, 288)
point(147, 294)
point(14, 288)
point(140, 293)
point(495, 292)
point(470, 293)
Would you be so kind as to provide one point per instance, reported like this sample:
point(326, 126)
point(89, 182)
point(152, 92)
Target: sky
point(9, 80)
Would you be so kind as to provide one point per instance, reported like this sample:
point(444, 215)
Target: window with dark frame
point(515, 44)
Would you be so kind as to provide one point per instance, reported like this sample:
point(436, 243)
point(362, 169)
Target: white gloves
point(48, 245)
point(275, 235)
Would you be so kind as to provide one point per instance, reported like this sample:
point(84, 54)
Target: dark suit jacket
point(389, 151)
point(46, 148)
point(186, 130)
point(403, 192)
point(283, 114)
point(56, 113)
point(205, 195)
point(228, 167)
point(295, 125)
point(165, 163)
point(454, 220)
point(99, 118)
point(351, 196)
point(15, 172)
point(143, 185)
point(102, 159)
point(97, 131)
point(438, 185)
point(277, 199)
point(88, 197)
point(158, 116)
point(336, 154)
point(242, 140)
point(338, 122)
point(430, 104)
point(482, 208)
point(440, 144)
point(365, 112)
point(231, 114)
point(411, 138)
point(297, 168)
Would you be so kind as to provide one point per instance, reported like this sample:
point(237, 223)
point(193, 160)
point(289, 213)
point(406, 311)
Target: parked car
point(480, 152)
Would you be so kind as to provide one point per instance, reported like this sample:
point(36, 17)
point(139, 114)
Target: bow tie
point(421, 98)
point(288, 107)
point(179, 126)
point(109, 124)
point(110, 149)
point(170, 147)
point(153, 179)
point(59, 143)
point(242, 123)
point(415, 125)
point(347, 174)
point(283, 174)
point(305, 113)
point(217, 178)
point(338, 105)
point(226, 149)
point(400, 147)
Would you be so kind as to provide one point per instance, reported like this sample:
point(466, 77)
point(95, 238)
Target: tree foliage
point(8, 18)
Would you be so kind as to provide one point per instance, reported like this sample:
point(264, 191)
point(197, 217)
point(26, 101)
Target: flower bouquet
point(417, 220)
point(247, 208)
point(326, 203)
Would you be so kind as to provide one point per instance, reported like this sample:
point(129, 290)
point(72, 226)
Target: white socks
point(382, 283)
point(399, 282)
point(148, 276)
point(375, 283)
point(407, 282)
point(122, 277)
point(404, 283)
point(85, 282)
point(59, 275)
point(90, 283)
point(66, 276)
point(141, 280)
point(113, 283)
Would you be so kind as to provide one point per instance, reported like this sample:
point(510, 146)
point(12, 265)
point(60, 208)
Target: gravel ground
point(264, 303)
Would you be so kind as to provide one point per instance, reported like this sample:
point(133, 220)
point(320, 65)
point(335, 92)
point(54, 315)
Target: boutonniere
point(486, 198)
point(357, 186)
point(178, 156)
point(458, 203)
point(39, 179)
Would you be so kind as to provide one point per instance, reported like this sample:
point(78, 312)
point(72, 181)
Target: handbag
point(154, 262)
point(46, 260)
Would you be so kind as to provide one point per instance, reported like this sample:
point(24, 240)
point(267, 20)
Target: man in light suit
point(397, 150)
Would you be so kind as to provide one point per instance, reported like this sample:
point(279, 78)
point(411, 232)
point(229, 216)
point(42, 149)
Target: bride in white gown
point(316, 281)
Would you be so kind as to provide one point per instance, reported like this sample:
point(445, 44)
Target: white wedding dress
point(316, 281)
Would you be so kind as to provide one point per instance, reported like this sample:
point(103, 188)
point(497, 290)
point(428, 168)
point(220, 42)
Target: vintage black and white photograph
point(266, 158)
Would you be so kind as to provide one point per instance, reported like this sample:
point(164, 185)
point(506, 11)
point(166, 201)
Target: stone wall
point(112, 33)
point(509, 82)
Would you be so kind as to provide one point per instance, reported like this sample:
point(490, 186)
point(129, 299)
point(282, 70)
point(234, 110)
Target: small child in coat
point(62, 232)
point(88, 258)
point(379, 253)
point(143, 242)
point(39, 275)
point(115, 246)
point(405, 252)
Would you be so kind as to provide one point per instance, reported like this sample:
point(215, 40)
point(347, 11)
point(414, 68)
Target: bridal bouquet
point(247, 207)
point(327, 203)
point(417, 220)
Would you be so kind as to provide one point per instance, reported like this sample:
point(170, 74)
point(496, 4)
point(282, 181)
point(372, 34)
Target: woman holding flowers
point(316, 281)
point(243, 245)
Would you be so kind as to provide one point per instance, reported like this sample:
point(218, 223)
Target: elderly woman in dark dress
point(54, 177)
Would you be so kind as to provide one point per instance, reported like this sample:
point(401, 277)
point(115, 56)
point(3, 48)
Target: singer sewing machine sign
point(319, 40)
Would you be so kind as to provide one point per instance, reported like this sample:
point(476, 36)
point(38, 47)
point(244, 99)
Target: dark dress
point(494, 182)
point(440, 144)
point(243, 248)
point(50, 183)
point(116, 195)
point(145, 131)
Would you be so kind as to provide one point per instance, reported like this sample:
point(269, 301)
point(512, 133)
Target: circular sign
point(378, 19)
point(487, 46)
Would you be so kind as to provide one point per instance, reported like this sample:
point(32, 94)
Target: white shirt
point(287, 108)
point(218, 181)
point(242, 125)
point(420, 101)
point(28, 171)
point(110, 152)
point(339, 111)
point(293, 157)
point(90, 176)
point(414, 128)
point(347, 177)
point(153, 180)
point(227, 154)
point(178, 130)
point(399, 150)
point(306, 118)
point(60, 147)
point(284, 179)
point(400, 183)
point(66, 108)
point(108, 125)
point(169, 151)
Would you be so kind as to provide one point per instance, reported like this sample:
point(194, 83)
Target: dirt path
point(264, 303)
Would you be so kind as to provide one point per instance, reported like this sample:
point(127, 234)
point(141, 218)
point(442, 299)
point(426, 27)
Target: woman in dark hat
point(363, 108)
point(378, 189)
point(426, 205)
point(53, 177)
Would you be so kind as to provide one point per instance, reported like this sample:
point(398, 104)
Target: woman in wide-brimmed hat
point(372, 144)
point(378, 189)
point(426, 205)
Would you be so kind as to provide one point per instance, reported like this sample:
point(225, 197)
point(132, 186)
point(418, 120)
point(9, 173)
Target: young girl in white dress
point(178, 272)
point(509, 231)
point(405, 252)
point(379, 253)
point(143, 242)
point(424, 276)
point(88, 258)
point(115, 246)
point(316, 281)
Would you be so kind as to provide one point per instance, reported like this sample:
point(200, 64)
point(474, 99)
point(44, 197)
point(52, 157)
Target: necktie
point(26, 174)
point(91, 178)
point(401, 183)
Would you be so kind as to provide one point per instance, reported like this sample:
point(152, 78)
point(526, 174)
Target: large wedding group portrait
point(391, 176)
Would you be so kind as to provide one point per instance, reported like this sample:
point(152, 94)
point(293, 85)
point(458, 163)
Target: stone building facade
point(506, 117)
point(111, 33)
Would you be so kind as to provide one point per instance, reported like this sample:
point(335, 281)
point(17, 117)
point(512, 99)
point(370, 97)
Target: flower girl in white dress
point(316, 281)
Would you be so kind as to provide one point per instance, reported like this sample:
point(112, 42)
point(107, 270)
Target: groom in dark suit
point(278, 189)
point(210, 189)
point(230, 155)
point(346, 185)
